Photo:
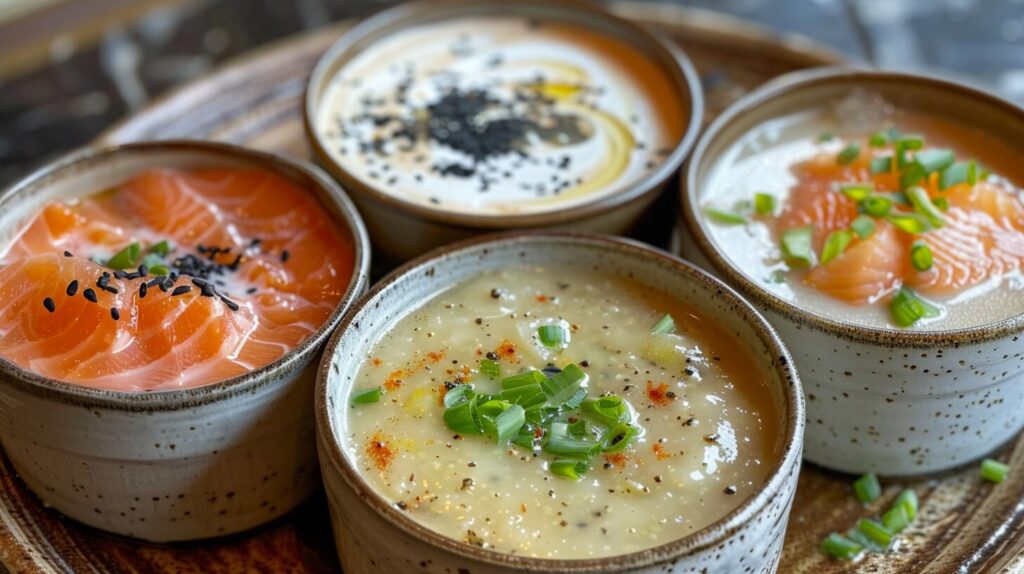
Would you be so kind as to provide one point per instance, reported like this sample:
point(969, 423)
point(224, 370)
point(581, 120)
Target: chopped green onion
point(912, 175)
point(878, 139)
point(508, 423)
point(867, 488)
point(490, 368)
point(552, 336)
point(463, 417)
point(580, 429)
point(907, 500)
point(857, 191)
point(877, 205)
point(877, 533)
point(564, 389)
point(862, 539)
point(457, 395)
point(607, 410)
point(913, 223)
point(560, 442)
point(904, 144)
point(848, 154)
point(797, 246)
point(569, 469)
point(162, 248)
point(839, 546)
point(907, 308)
point(881, 164)
point(524, 389)
point(921, 256)
point(962, 172)
point(923, 204)
point(367, 397)
point(941, 202)
point(125, 258)
point(618, 437)
point(526, 437)
point(723, 216)
point(764, 203)
point(825, 136)
point(993, 470)
point(159, 270)
point(896, 519)
point(934, 159)
point(863, 226)
point(664, 326)
point(835, 244)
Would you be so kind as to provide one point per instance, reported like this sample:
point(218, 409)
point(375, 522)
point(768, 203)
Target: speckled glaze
point(402, 229)
point(884, 400)
point(171, 465)
point(373, 536)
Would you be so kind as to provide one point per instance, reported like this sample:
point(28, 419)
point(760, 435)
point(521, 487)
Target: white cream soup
point(500, 115)
point(706, 429)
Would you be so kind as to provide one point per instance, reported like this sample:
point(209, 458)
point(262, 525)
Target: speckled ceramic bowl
point(170, 465)
point(402, 229)
point(373, 536)
point(884, 400)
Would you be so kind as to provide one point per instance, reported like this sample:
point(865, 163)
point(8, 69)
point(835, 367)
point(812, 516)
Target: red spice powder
point(395, 378)
point(616, 459)
point(506, 350)
point(659, 451)
point(542, 298)
point(379, 450)
point(659, 395)
point(376, 362)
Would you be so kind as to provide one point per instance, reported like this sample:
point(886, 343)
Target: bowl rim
point(786, 86)
point(675, 63)
point(791, 429)
point(174, 399)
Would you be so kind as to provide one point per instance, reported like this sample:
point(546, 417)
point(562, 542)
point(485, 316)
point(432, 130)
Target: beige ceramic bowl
point(402, 229)
point(896, 402)
point(373, 536)
point(170, 465)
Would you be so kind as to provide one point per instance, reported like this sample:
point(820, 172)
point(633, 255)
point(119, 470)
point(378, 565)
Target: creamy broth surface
point(762, 162)
point(709, 438)
point(500, 115)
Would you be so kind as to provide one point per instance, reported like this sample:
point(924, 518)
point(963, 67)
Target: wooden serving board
point(964, 525)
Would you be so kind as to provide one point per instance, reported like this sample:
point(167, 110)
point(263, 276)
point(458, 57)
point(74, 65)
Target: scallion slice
point(764, 203)
point(941, 202)
point(848, 154)
point(664, 326)
point(723, 216)
point(161, 248)
point(923, 204)
point(606, 410)
point(618, 437)
point(569, 469)
point(835, 244)
point(994, 471)
point(876, 205)
point(490, 368)
point(463, 417)
point(961, 172)
point(907, 500)
point(797, 246)
point(367, 397)
point(877, 533)
point(878, 139)
point(912, 175)
point(457, 395)
point(857, 191)
point(159, 270)
point(564, 389)
point(125, 258)
point(863, 226)
point(524, 388)
point(560, 442)
point(913, 223)
point(905, 144)
point(921, 256)
point(896, 519)
point(841, 547)
point(907, 308)
point(867, 488)
point(552, 336)
point(881, 164)
point(508, 423)
point(932, 160)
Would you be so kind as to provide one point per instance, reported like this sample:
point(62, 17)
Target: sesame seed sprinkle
point(72, 288)
point(115, 314)
point(49, 304)
point(89, 295)
point(180, 290)
point(68, 254)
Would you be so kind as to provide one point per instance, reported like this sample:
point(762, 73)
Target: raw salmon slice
point(867, 270)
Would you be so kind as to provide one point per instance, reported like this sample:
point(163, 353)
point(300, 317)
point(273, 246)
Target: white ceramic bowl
point(895, 402)
point(170, 465)
point(372, 536)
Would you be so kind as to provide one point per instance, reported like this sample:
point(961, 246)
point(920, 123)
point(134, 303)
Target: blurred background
point(70, 68)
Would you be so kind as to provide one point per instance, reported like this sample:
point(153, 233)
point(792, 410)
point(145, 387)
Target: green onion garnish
point(878, 139)
point(857, 191)
point(463, 417)
point(764, 203)
point(867, 488)
point(125, 258)
point(607, 410)
point(913, 223)
point(934, 159)
point(723, 216)
point(569, 469)
point(881, 164)
point(921, 256)
point(896, 519)
point(664, 326)
point(560, 442)
point(877, 533)
point(564, 389)
point(552, 336)
point(457, 394)
point(835, 244)
point(962, 172)
point(524, 389)
point(162, 248)
point(907, 500)
point(367, 397)
point(848, 154)
point(159, 270)
point(941, 202)
point(490, 368)
point(877, 205)
point(825, 136)
point(839, 546)
point(912, 175)
point(904, 144)
point(508, 423)
point(923, 204)
point(797, 246)
point(618, 437)
point(993, 470)
point(907, 308)
point(863, 226)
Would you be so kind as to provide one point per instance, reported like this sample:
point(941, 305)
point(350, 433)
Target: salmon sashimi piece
point(814, 201)
point(867, 270)
point(282, 262)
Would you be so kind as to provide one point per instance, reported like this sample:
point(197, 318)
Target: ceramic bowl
point(373, 536)
point(884, 400)
point(170, 465)
point(402, 229)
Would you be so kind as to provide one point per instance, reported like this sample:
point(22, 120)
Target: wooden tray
point(964, 526)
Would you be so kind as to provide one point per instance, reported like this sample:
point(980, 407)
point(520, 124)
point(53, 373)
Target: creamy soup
point(500, 115)
point(932, 241)
point(676, 427)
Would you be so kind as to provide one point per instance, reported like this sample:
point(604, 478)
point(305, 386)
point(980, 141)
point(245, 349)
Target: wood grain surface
point(965, 525)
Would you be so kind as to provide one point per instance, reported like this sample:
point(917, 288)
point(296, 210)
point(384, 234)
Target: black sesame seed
point(68, 254)
point(143, 289)
point(115, 314)
point(284, 256)
point(250, 290)
point(89, 295)
point(231, 304)
point(143, 270)
point(157, 280)
point(180, 290)
point(730, 490)
point(72, 288)
point(49, 304)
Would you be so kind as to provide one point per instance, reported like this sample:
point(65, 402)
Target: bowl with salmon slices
point(447, 119)
point(164, 308)
point(557, 403)
point(877, 220)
